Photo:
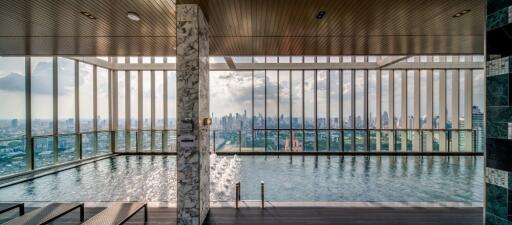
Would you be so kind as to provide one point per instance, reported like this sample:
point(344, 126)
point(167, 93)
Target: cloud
point(12, 82)
point(41, 80)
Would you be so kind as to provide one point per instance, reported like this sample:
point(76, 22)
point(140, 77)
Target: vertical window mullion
point(78, 140)
point(95, 109)
point(28, 114)
point(55, 110)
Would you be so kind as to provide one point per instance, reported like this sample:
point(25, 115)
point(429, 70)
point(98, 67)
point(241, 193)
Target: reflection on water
point(363, 178)
point(122, 178)
point(287, 178)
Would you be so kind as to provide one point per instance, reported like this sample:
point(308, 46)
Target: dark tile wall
point(498, 172)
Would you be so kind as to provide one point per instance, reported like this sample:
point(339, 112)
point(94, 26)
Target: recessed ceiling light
point(133, 16)
point(88, 15)
point(320, 14)
point(461, 13)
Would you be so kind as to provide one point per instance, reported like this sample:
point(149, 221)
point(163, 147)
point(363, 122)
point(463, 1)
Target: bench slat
point(4, 207)
point(115, 214)
point(45, 214)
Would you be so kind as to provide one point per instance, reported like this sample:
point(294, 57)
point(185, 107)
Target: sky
point(230, 91)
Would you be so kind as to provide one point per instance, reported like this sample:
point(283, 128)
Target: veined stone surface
point(496, 177)
point(192, 103)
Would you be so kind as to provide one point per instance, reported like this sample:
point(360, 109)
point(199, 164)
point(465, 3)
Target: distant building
point(14, 123)
point(478, 128)
point(293, 145)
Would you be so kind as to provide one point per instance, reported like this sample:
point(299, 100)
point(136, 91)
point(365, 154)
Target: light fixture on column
point(133, 16)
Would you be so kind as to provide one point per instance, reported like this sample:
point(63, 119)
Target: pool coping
point(291, 204)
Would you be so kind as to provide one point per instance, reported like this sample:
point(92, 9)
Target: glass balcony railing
point(348, 140)
point(145, 141)
point(13, 156)
point(50, 150)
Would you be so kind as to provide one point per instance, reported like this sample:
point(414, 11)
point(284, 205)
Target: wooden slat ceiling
point(245, 27)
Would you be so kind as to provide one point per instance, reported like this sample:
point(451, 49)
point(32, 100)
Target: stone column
point(192, 85)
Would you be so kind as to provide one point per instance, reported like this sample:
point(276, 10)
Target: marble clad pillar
point(192, 70)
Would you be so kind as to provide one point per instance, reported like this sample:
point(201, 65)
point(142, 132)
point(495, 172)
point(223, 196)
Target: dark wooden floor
point(300, 216)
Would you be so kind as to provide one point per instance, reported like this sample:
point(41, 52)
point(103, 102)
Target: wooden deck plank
point(306, 215)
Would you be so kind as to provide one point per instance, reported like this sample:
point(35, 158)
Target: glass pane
point(103, 96)
point(14, 159)
point(259, 141)
point(372, 99)
point(171, 99)
point(271, 145)
point(335, 141)
point(159, 100)
point(134, 99)
point(348, 141)
point(146, 141)
point(385, 106)
point(372, 135)
point(121, 138)
point(121, 100)
point(348, 119)
point(334, 99)
point(423, 98)
point(309, 99)
point(449, 98)
point(134, 59)
point(296, 59)
point(398, 99)
point(297, 94)
point(284, 141)
point(157, 139)
point(271, 101)
point(410, 99)
point(231, 104)
point(42, 95)
point(171, 146)
point(384, 141)
point(309, 141)
point(103, 143)
point(12, 99)
point(66, 148)
point(360, 141)
point(436, 99)
point(88, 143)
point(146, 99)
point(43, 151)
point(246, 138)
point(86, 96)
point(131, 141)
point(259, 99)
point(284, 59)
point(284, 99)
point(66, 83)
point(323, 141)
point(360, 99)
point(478, 110)
point(297, 141)
point(321, 94)
point(462, 102)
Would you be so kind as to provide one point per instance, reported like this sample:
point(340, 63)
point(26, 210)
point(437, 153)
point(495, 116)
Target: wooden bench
point(118, 214)
point(47, 214)
point(4, 207)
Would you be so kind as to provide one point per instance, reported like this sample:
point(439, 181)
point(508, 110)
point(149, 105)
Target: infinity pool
point(287, 178)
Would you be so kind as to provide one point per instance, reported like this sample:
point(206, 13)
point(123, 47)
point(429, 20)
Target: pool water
point(363, 178)
point(287, 178)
